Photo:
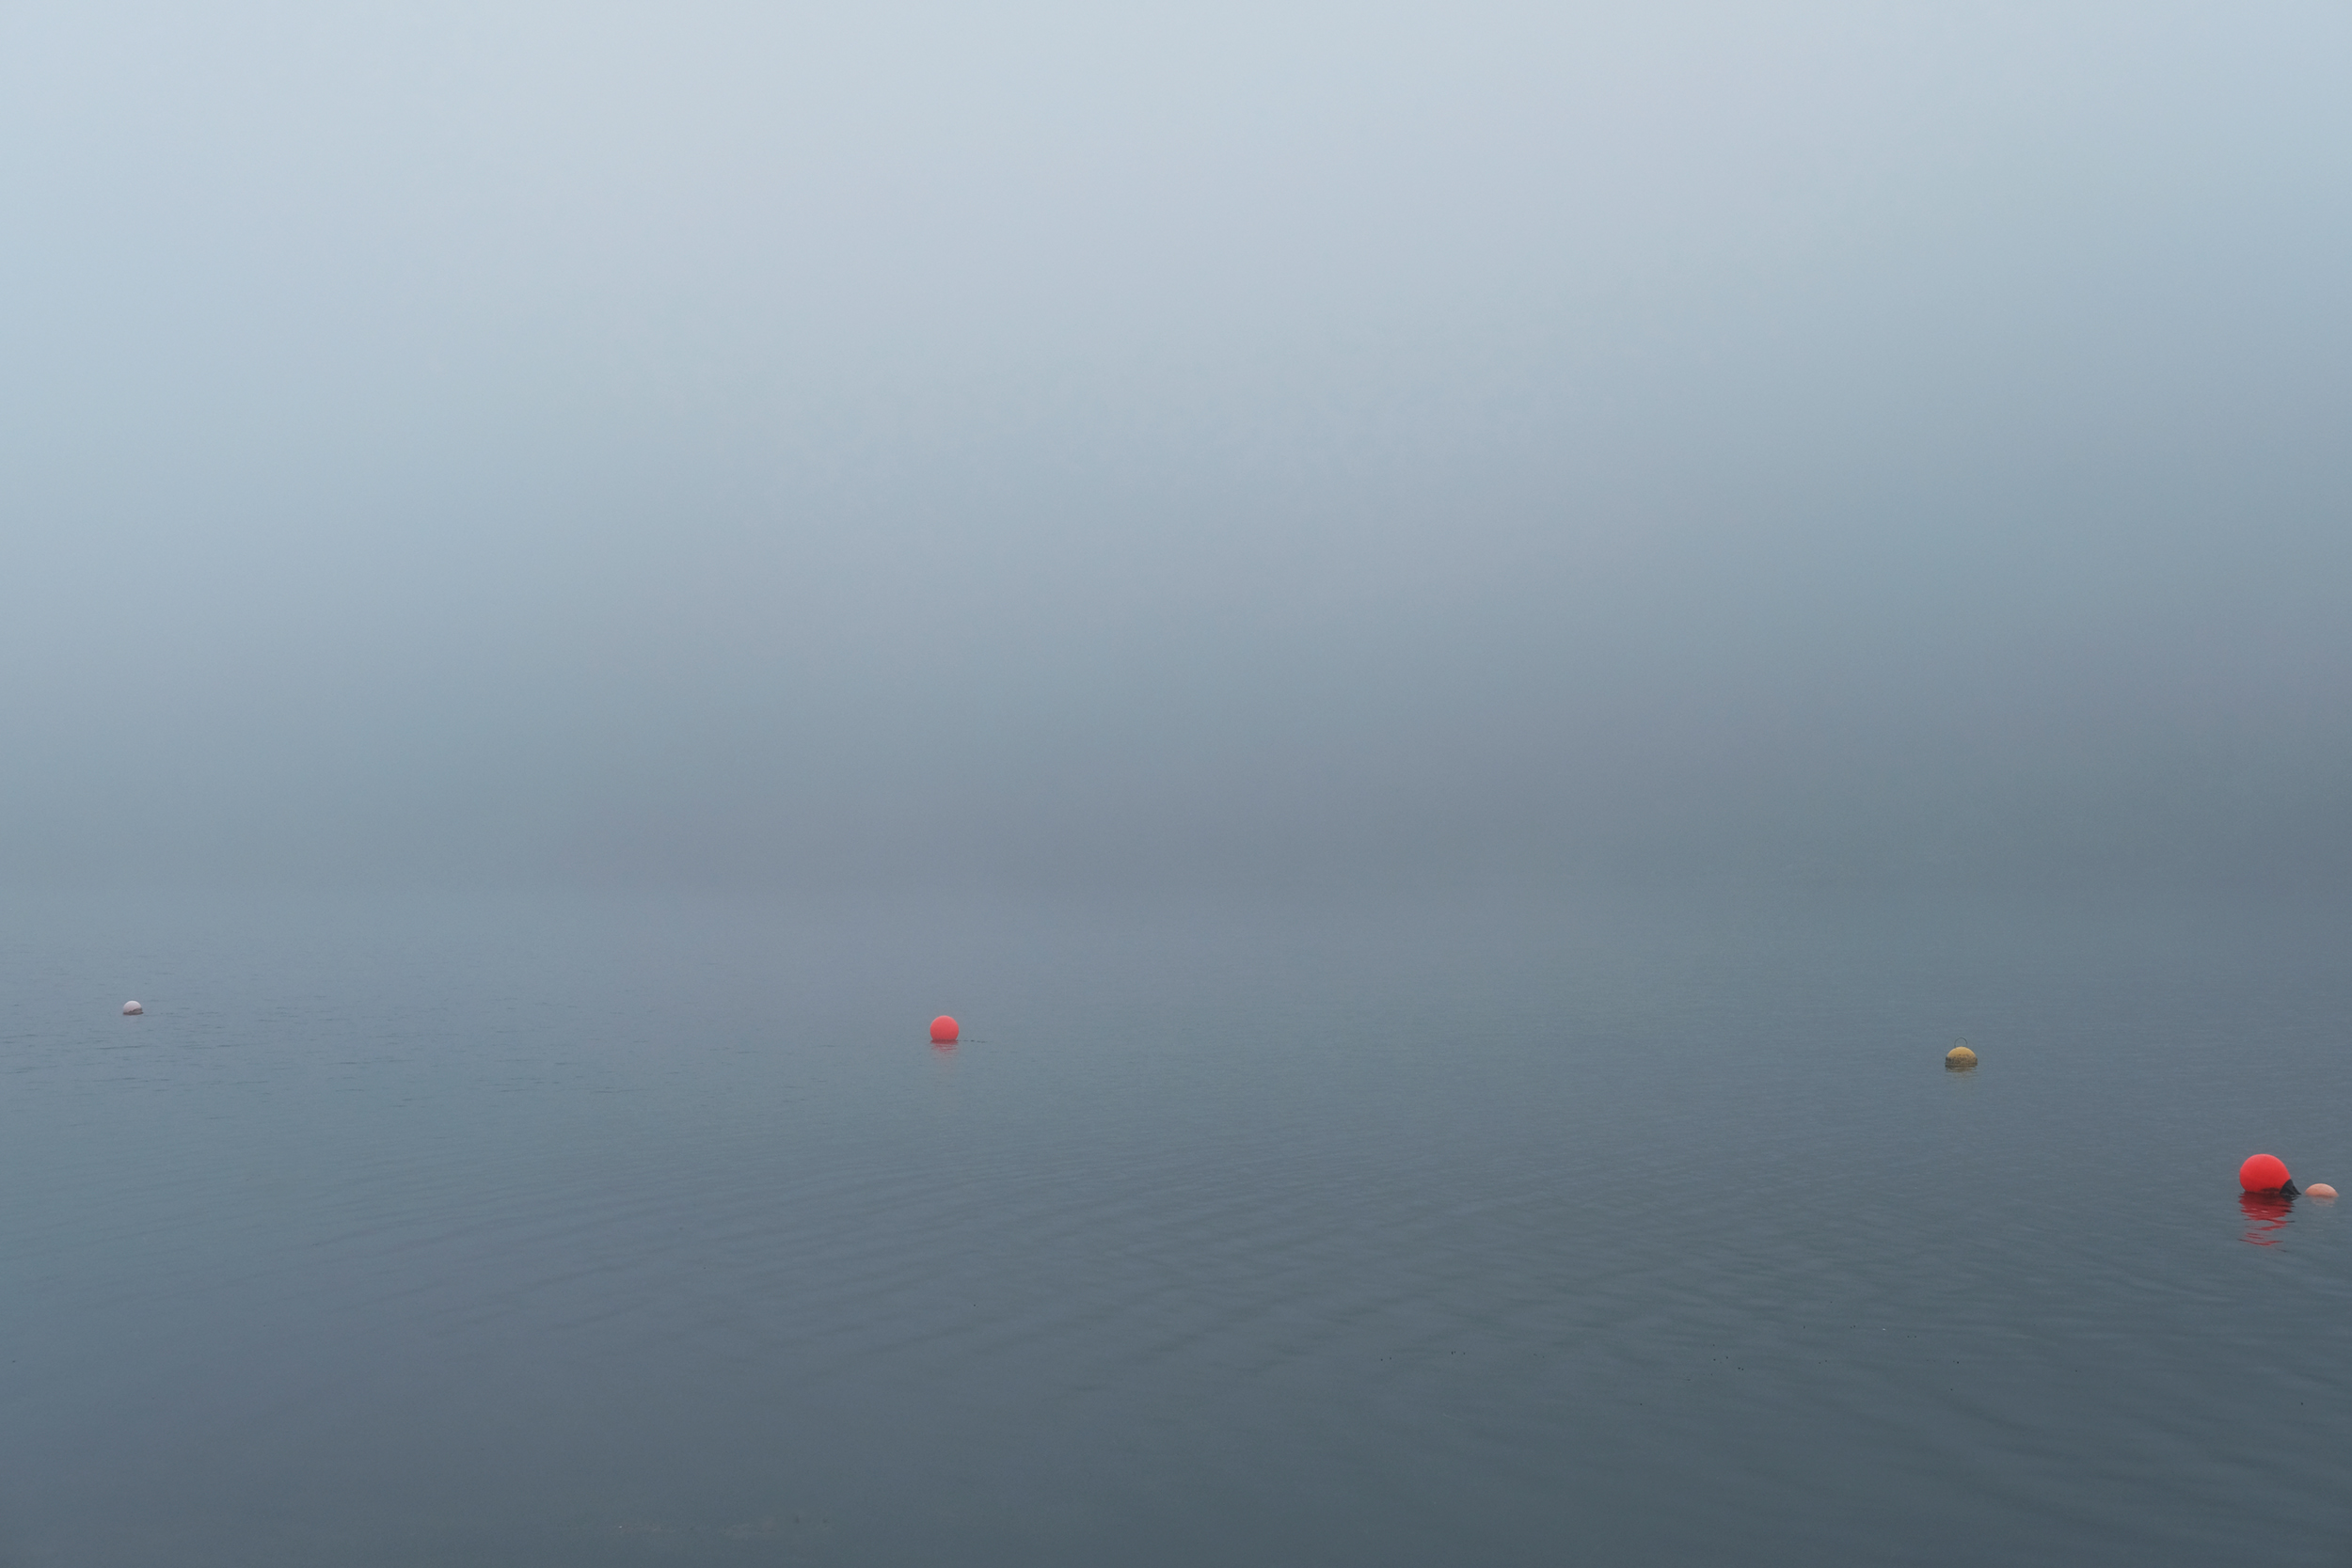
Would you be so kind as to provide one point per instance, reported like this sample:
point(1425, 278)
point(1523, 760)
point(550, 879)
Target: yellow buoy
point(1959, 1058)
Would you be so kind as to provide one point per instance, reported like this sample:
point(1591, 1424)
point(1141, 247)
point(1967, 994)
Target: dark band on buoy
point(2291, 1189)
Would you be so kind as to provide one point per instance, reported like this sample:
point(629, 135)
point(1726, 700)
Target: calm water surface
point(515, 1233)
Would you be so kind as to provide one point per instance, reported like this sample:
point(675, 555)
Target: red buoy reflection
point(2266, 1215)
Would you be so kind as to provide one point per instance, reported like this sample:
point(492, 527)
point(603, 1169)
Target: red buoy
point(943, 1032)
point(2262, 1173)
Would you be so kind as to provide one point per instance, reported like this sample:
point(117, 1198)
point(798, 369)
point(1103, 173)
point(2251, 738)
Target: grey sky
point(1143, 445)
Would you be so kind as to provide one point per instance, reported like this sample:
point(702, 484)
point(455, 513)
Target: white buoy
point(132, 1009)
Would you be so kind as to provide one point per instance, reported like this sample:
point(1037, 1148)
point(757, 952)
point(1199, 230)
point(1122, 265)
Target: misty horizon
point(1189, 449)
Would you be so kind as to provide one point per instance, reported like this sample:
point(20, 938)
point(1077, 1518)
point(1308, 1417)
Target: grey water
point(522, 1231)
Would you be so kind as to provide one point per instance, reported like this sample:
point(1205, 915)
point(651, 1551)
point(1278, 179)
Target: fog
point(1173, 446)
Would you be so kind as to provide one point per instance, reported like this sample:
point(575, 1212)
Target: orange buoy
point(2263, 1173)
point(2319, 1189)
point(944, 1030)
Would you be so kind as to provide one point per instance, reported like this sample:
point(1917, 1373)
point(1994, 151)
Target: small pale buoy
point(1958, 1058)
point(132, 1009)
point(2319, 1189)
point(944, 1030)
point(2263, 1173)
